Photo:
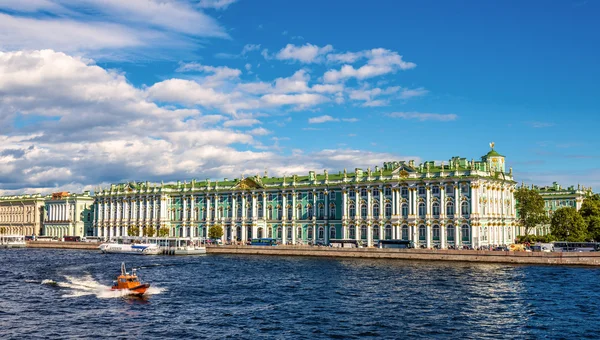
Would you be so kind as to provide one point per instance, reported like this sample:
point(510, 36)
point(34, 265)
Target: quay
point(482, 256)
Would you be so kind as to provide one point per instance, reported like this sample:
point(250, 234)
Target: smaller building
point(68, 214)
point(555, 197)
point(21, 215)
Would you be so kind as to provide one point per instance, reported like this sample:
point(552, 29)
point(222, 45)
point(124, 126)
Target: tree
point(162, 232)
point(2, 230)
point(590, 211)
point(215, 231)
point(567, 224)
point(133, 231)
point(530, 208)
point(148, 231)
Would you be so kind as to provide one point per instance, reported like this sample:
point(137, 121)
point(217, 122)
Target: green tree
point(163, 232)
point(590, 211)
point(530, 208)
point(215, 231)
point(148, 231)
point(567, 224)
point(133, 231)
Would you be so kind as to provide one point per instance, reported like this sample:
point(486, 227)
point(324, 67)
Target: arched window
point(405, 232)
point(376, 232)
point(422, 233)
point(388, 210)
point(484, 235)
point(249, 211)
point(321, 233)
point(422, 209)
point(509, 233)
point(310, 233)
point(466, 232)
point(269, 233)
point(279, 212)
point(259, 207)
point(388, 232)
point(309, 209)
point(363, 210)
point(352, 211)
point(363, 192)
point(436, 232)
point(450, 209)
point(404, 210)
point(332, 232)
point(289, 233)
point(259, 233)
point(375, 210)
point(450, 233)
point(363, 232)
point(299, 233)
point(321, 211)
point(464, 208)
point(435, 209)
point(290, 213)
point(332, 211)
point(279, 232)
point(352, 232)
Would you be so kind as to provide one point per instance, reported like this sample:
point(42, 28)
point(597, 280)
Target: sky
point(99, 92)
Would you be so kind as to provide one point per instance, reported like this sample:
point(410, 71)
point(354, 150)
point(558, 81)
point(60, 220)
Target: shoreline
point(481, 256)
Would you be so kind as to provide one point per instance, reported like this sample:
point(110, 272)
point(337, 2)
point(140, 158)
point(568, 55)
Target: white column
point(443, 236)
point(294, 217)
point(428, 236)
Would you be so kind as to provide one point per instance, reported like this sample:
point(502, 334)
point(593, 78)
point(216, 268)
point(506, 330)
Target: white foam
point(86, 285)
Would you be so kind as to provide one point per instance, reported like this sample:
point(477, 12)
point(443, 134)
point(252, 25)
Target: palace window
point(466, 232)
point(376, 192)
point(449, 189)
point(376, 210)
point(352, 232)
point(260, 210)
point(450, 233)
point(436, 232)
point(279, 212)
point(352, 193)
point(290, 197)
point(299, 215)
point(321, 196)
point(249, 211)
point(289, 233)
point(332, 211)
point(279, 232)
point(387, 191)
point(269, 213)
point(464, 188)
point(269, 197)
point(435, 207)
point(388, 210)
point(310, 195)
point(321, 212)
point(404, 192)
point(363, 211)
point(299, 196)
point(464, 208)
point(363, 192)
point(450, 209)
point(332, 232)
point(421, 190)
point(388, 232)
point(422, 209)
point(422, 233)
point(309, 209)
point(435, 190)
point(332, 195)
point(352, 211)
point(290, 213)
point(405, 232)
point(404, 210)
point(363, 232)
point(279, 197)
point(321, 233)
point(299, 233)
point(376, 232)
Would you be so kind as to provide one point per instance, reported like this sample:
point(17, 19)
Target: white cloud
point(301, 100)
point(259, 131)
point(305, 54)
point(424, 116)
point(346, 58)
point(242, 122)
point(411, 93)
point(216, 4)
point(322, 119)
point(250, 47)
point(379, 62)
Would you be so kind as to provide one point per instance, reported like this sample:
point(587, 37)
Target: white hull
point(13, 245)
point(134, 249)
point(190, 251)
point(12, 241)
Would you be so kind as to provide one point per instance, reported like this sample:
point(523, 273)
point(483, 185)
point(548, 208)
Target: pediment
point(403, 170)
point(248, 184)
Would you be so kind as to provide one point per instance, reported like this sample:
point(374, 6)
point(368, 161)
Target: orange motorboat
point(130, 282)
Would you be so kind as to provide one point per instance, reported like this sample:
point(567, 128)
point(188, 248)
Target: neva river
point(66, 294)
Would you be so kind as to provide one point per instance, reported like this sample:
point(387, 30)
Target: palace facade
point(21, 215)
point(68, 214)
point(461, 203)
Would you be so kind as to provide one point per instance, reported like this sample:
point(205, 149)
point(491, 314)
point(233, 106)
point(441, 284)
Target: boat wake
point(86, 285)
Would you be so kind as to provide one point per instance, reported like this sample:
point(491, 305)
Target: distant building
point(460, 203)
point(68, 214)
point(21, 215)
point(555, 196)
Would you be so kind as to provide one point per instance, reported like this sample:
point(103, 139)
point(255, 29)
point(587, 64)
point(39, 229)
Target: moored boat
point(134, 248)
point(130, 282)
point(12, 241)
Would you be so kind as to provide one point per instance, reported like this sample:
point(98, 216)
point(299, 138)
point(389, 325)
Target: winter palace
point(434, 204)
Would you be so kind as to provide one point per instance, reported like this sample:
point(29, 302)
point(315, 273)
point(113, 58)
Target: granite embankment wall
point(585, 259)
point(64, 245)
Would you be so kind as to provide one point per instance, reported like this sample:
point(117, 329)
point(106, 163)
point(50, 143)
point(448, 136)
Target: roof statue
point(492, 144)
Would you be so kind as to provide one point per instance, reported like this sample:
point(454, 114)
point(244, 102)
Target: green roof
point(493, 153)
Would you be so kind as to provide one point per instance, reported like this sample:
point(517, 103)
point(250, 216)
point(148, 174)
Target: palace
point(21, 215)
point(461, 203)
point(68, 214)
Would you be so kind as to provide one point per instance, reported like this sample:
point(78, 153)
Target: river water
point(66, 294)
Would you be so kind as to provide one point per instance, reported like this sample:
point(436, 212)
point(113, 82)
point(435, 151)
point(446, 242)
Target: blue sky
point(163, 90)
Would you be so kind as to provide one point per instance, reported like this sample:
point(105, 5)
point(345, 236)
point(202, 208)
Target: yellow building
point(21, 215)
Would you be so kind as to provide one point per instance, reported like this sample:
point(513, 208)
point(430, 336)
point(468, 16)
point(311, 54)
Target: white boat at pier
point(12, 241)
point(129, 248)
point(155, 245)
